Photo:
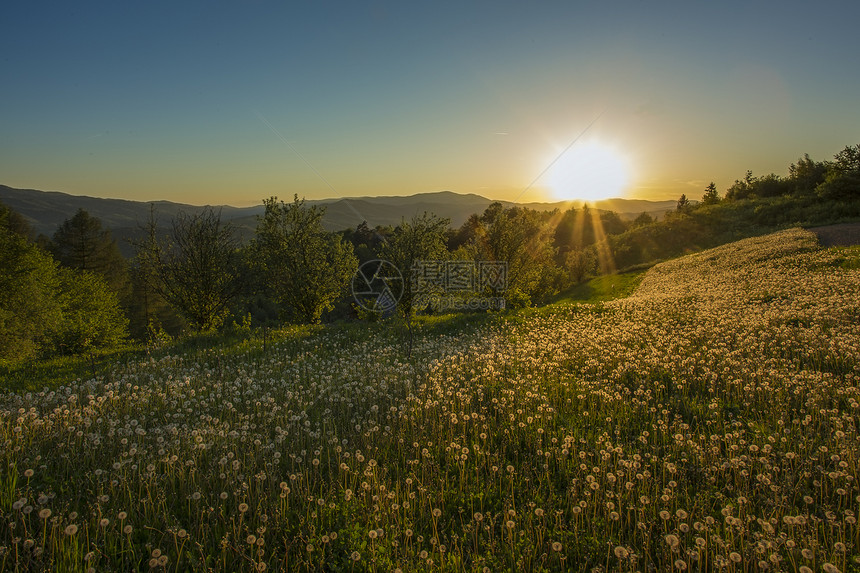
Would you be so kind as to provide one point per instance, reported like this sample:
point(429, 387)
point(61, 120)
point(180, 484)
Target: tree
point(150, 315)
point(92, 316)
point(306, 268)
point(521, 238)
point(642, 219)
point(683, 204)
point(420, 239)
point(16, 223)
point(196, 272)
point(711, 197)
point(29, 308)
point(741, 189)
point(843, 176)
point(807, 174)
point(81, 243)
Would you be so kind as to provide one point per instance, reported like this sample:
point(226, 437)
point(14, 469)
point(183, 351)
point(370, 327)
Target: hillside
point(706, 422)
point(45, 210)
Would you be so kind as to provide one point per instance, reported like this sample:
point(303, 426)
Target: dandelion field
point(707, 422)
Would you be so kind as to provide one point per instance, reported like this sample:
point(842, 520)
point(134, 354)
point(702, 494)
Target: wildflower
point(70, 529)
point(621, 552)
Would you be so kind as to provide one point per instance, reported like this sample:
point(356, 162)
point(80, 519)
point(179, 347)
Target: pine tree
point(81, 243)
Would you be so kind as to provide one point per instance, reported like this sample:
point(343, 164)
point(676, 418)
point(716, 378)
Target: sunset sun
point(589, 171)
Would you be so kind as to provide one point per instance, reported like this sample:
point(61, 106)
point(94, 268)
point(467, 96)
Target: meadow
point(706, 422)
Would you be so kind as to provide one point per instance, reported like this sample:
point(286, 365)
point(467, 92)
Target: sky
point(230, 102)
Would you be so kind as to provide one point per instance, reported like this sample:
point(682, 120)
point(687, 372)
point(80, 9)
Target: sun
point(588, 171)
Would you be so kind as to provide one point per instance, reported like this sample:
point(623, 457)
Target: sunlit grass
point(602, 288)
point(709, 421)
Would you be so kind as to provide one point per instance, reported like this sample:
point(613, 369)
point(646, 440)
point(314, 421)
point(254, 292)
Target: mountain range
point(46, 210)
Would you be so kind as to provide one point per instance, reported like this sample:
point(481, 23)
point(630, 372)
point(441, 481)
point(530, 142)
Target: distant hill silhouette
point(46, 210)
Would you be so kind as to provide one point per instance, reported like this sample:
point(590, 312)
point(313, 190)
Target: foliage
point(305, 268)
point(81, 243)
point(711, 197)
point(521, 238)
point(92, 316)
point(197, 271)
point(46, 309)
point(150, 315)
point(29, 308)
point(807, 174)
point(842, 181)
point(420, 239)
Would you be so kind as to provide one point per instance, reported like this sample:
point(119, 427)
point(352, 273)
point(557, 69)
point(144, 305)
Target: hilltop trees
point(807, 174)
point(711, 197)
point(305, 268)
point(843, 176)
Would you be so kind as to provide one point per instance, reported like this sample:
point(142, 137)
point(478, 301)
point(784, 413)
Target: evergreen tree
point(710, 197)
point(81, 243)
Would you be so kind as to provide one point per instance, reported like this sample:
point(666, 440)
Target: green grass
point(603, 288)
point(57, 371)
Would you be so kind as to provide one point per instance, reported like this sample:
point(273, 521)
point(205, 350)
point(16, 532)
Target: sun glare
point(588, 171)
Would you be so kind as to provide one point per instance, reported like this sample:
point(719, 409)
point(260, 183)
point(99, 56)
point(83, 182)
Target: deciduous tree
point(306, 268)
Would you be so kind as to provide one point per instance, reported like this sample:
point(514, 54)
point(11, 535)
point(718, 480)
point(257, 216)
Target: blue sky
point(231, 102)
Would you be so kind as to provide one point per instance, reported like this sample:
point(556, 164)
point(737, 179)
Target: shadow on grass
point(601, 289)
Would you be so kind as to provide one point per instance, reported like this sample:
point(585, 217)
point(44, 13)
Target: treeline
point(73, 292)
point(813, 193)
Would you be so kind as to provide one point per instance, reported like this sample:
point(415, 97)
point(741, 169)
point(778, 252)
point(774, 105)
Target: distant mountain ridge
point(46, 210)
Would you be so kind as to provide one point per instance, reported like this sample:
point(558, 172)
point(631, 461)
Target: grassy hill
point(707, 421)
